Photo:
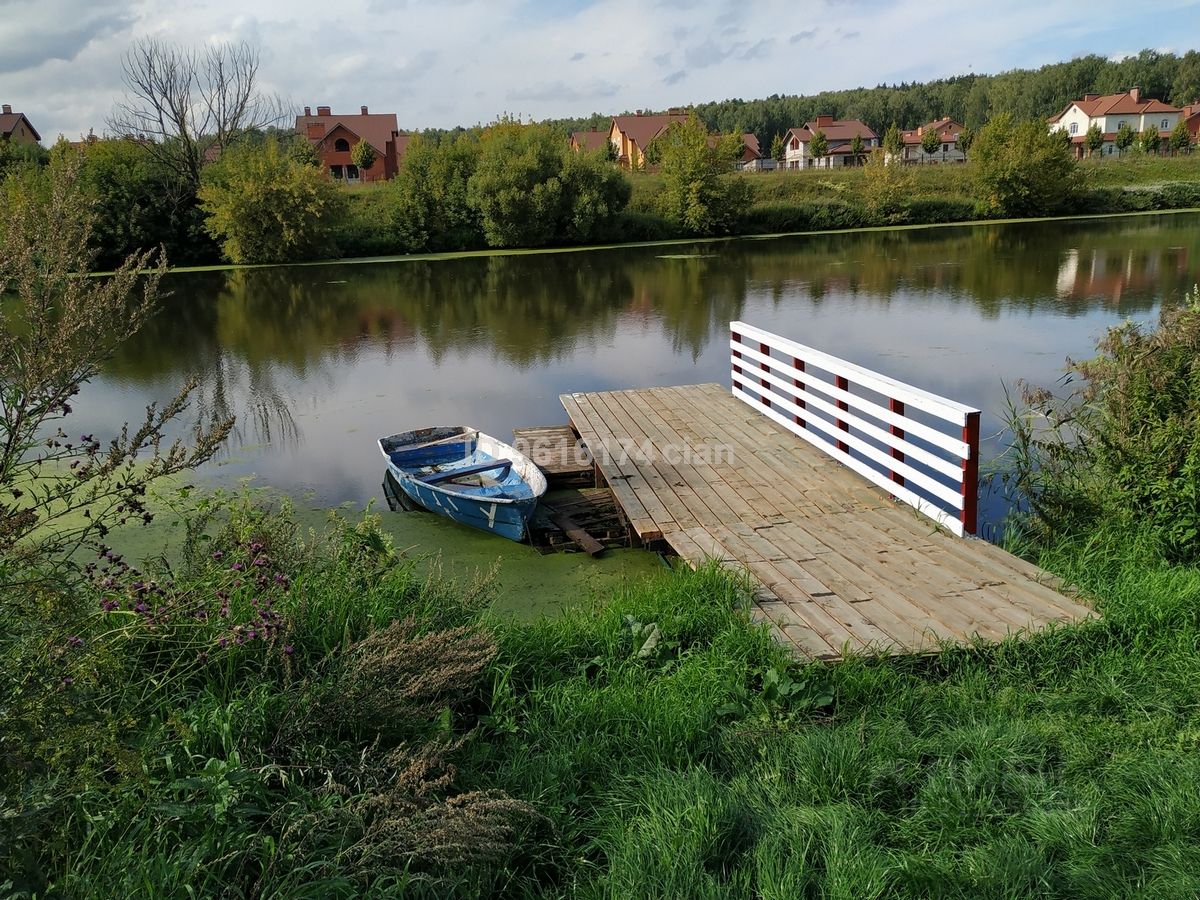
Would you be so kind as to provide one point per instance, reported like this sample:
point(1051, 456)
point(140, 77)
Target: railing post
point(970, 474)
point(737, 339)
point(799, 386)
point(765, 350)
point(844, 384)
point(897, 407)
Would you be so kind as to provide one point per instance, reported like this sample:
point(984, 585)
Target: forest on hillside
point(970, 99)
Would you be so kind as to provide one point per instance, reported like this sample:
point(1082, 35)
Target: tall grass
point(650, 744)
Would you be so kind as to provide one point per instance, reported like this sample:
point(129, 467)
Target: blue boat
point(467, 476)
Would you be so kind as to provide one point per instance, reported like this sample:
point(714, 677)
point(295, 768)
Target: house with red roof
point(1110, 112)
point(588, 141)
point(16, 127)
point(947, 130)
point(631, 135)
point(839, 133)
point(334, 137)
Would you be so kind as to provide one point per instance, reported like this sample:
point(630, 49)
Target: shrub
point(930, 210)
point(1122, 449)
point(428, 205)
point(638, 225)
point(264, 206)
point(530, 190)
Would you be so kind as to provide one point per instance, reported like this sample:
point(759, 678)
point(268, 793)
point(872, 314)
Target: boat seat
point(477, 469)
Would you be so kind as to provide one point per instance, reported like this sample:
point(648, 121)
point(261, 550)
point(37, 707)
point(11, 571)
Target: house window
point(335, 171)
point(945, 148)
point(795, 143)
point(341, 145)
point(1120, 124)
point(1163, 126)
point(352, 173)
point(1074, 128)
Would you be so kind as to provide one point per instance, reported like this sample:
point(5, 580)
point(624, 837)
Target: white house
point(947, 151)
point(1110, 112)
point(838, 132)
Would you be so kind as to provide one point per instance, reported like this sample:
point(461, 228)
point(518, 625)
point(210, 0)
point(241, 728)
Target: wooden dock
point(842, 567)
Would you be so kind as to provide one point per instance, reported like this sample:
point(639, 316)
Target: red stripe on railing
point(970, 470)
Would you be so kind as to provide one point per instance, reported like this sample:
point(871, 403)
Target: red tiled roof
point(839, 130)
point(9, 121)
point(643, 129)
point(948, 130)
point(374, 128)
point(1123, 104)
point(589, 140)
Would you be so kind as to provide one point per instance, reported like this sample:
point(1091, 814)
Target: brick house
point(839, 133)
point(16, 127)
point(948, 131)
point(1110, 112)
point(334, 137)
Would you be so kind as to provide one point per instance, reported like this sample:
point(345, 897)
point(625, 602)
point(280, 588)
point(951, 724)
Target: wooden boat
point(467, 476)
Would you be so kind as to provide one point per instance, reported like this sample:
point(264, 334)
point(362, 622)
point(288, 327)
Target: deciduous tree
point(893, 141)
point(1094, 139)
point(191, 105)
point(818, 145)
point(1022, 169)
point(700, 192)
point(931, 141)
point(1181, 138)
point(778, 148)
point(1125, 137)
point(363, 155)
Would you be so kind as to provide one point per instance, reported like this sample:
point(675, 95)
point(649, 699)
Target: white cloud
point(463, 62)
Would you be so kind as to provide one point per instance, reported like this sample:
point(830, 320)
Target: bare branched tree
point(192, 104)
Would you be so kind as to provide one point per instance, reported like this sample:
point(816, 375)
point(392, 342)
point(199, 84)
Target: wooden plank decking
point(842, 567)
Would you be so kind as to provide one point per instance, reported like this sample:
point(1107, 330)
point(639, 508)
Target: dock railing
point(921, 448)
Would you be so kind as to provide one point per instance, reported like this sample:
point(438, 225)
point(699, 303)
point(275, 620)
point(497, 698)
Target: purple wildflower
point(289, 649)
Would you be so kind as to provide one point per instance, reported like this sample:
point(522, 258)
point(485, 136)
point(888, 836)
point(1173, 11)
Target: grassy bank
point(803, 201)
point(336, 724)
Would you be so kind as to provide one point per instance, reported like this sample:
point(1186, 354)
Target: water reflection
point(316, 361)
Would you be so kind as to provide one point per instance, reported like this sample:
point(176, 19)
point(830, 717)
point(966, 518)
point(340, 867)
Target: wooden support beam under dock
point(842, 567)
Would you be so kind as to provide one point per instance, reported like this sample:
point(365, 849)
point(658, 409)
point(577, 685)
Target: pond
point(318, 361)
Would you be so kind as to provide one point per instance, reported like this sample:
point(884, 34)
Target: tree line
point(970, 99)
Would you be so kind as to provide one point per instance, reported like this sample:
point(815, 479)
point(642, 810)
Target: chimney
point(1091, 96)
point(323, 111)
point(823, 121)
point(364, 110)
point(1136, 93)
point(7, 109)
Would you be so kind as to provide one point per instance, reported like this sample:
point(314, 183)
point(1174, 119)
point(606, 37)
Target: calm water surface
point(318, 361)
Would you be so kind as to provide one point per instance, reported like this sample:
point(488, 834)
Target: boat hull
point(467, 476)
point(508, 520)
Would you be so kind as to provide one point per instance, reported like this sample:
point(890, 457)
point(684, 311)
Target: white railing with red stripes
point(810, 393)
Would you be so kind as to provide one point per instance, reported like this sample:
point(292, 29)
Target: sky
point(465, 62)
